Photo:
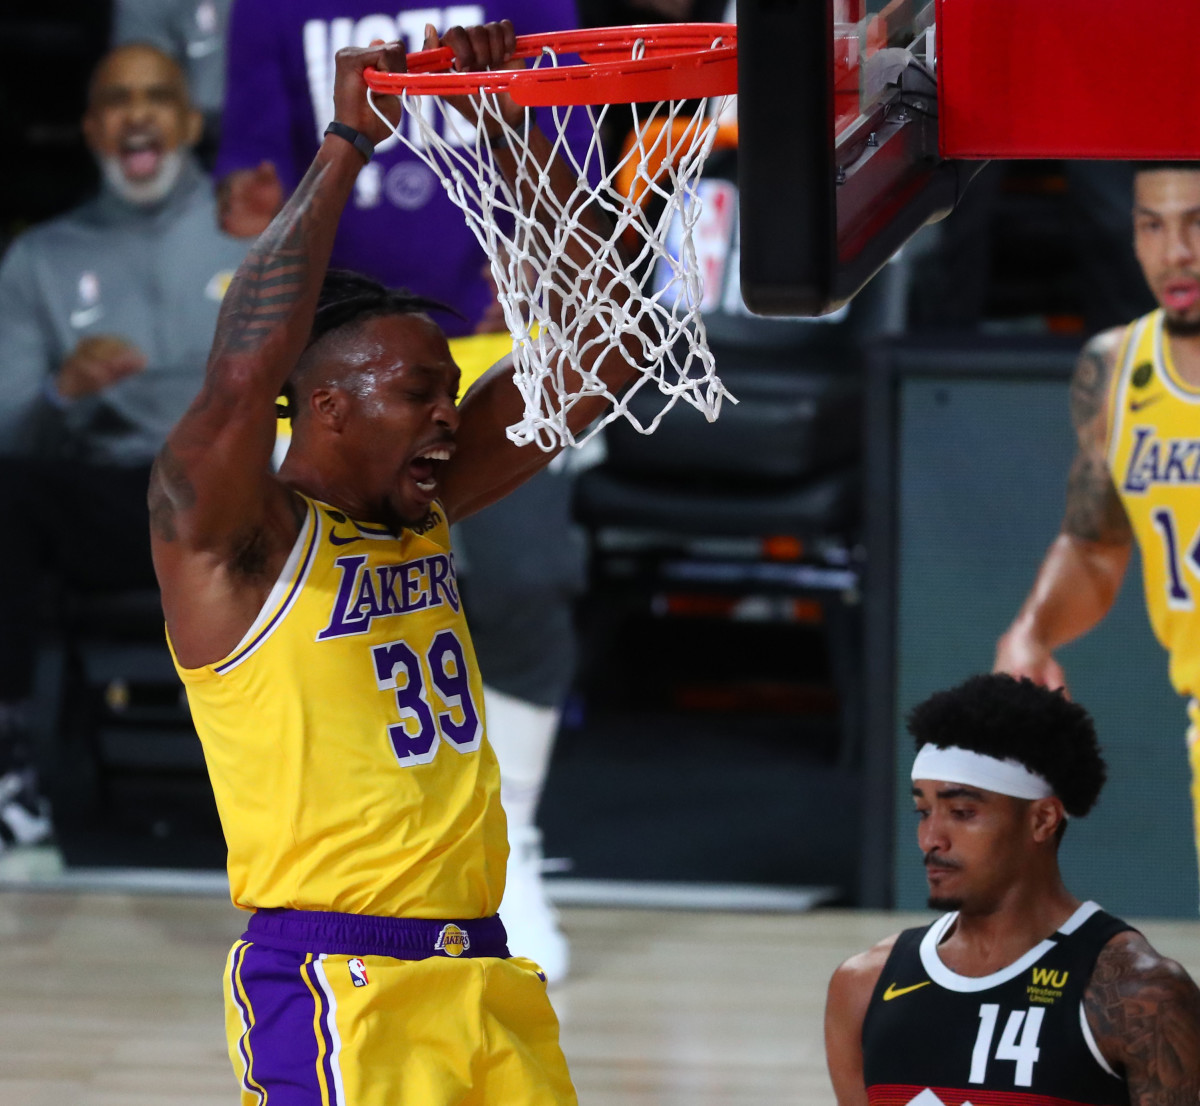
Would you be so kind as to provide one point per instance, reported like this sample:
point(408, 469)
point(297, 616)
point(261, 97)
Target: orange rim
point(683, 61)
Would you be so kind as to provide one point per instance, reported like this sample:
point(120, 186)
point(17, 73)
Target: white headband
point(955, 765)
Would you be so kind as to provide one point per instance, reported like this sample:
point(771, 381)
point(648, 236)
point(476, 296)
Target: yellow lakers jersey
point(1154, 459)
point(345, 734)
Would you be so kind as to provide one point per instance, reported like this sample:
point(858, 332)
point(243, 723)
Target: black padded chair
point(122, 763)
point(763, 502)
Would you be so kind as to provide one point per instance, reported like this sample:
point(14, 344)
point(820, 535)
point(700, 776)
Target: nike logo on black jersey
point(895, 992)
point(1136, 405)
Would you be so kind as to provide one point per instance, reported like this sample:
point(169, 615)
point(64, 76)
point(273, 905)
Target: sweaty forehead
point(414, 340)
point(393, 348)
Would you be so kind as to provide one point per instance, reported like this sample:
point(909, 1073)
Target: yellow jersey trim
point(1116, 386)
point(1126, 356)
point(283, 595)
point(1162, 349)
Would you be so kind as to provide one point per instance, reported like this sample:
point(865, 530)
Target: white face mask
point(147, 192)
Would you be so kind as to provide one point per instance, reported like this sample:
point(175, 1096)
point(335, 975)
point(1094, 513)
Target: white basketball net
point(528, 262)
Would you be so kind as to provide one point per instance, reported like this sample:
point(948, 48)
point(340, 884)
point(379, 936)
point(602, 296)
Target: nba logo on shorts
point(452, 940)
point(358, 971)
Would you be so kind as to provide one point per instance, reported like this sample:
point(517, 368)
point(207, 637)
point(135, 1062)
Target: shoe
point(24, 813)
point(528, 915)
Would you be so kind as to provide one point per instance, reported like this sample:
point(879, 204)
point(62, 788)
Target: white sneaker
point(528, 915)
point(24, 813)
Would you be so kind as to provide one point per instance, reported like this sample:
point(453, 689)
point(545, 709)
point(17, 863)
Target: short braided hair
point(347, 298)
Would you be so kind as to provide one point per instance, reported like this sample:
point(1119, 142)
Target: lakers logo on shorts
point(452, 940)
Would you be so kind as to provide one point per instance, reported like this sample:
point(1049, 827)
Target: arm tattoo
point(1144, 1011)
point(1094, 511)
point(1089, 385)
point(272, 278)
point(170, 491)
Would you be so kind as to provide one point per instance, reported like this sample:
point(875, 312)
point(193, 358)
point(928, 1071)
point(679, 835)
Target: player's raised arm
point(1144, 1013)
point(221, 524)
point(486, 465)
point(1082, 570)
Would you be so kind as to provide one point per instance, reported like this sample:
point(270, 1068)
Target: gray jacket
point(154, 276)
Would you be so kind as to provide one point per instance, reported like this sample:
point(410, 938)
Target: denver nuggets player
point(317, 625)
point(1021, 995)
point(1135, 403)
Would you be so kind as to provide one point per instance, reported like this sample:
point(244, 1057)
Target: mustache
point(934, 860)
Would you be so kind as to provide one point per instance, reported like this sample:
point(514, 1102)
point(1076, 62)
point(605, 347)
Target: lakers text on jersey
point(345, 734)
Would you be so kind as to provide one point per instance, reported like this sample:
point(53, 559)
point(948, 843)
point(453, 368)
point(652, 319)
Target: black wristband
point(356, 138)
point(500, 138)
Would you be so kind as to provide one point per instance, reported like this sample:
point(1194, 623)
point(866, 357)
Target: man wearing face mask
point(106, 317)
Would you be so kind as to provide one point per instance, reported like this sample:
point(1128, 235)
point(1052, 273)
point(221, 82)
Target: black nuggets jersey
point(1017, 1037)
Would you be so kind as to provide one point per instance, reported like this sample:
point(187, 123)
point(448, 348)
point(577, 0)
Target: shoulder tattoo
point(1144, 1011)
point(1094, 511)
point(1091, 378)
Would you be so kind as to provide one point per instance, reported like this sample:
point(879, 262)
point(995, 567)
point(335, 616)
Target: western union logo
point(1044, 977)
point(1047, 986)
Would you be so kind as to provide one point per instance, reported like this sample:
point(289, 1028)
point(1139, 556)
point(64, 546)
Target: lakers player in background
point(317, 625)
point(1135, 404)
point(1020, 994)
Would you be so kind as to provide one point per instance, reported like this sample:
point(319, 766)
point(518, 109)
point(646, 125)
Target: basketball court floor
point(115, 998)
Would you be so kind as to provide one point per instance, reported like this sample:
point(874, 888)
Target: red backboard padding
point(1069, 78)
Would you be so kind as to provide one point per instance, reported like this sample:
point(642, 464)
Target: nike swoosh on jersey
point(895, 992)
point(85, 316)
point(1136, 405)
point(334, 539)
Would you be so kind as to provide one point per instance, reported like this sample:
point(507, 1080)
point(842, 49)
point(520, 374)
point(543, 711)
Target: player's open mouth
point(140, 155)
point(425, 467)
point(1181, 295)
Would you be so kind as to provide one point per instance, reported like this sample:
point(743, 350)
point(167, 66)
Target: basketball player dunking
point(316, 623)
point(1021, 995)
point(1135, 403)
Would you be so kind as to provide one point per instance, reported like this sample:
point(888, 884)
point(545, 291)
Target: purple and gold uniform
point(344, 737)
point(1154, 461)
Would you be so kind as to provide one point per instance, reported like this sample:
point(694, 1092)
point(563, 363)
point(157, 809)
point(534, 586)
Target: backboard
point(861, 120)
